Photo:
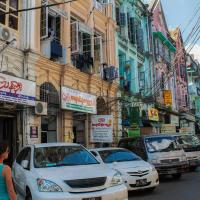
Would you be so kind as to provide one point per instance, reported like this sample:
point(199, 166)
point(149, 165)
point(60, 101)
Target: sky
point(181, 13)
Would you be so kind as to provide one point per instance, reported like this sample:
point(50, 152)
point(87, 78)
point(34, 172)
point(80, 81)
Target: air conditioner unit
point(8, 36)
point(41, 108)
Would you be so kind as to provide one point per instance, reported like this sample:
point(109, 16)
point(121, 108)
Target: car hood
point(131, 165)
point(166, 155)
point(75, 172)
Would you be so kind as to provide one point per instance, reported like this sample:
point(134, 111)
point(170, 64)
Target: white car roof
point(57, 144)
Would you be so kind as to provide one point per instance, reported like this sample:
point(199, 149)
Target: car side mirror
point(25, 164)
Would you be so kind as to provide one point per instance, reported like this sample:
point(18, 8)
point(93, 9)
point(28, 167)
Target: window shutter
point(58, 23)
point(44, 20)
point(98, 53)
point(132, 27)
point(140, 41)
point(118, 16)
point(74, 37)
point(142, 80)
point(122, 19)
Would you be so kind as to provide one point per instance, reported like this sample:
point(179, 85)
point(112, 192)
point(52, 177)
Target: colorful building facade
point(134, 52)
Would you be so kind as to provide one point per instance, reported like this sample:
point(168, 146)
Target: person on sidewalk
point(7, 191)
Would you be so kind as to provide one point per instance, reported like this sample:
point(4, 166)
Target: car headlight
point(183, 158)
point(48, 186)
point(117, 179)
point(153, 169)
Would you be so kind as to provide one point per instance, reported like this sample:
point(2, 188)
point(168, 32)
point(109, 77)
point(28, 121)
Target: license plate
point(141, 182)
point(93, 198)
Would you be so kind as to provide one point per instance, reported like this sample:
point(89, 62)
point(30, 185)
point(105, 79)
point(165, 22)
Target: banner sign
point(153, 114)
point(167, 94)
point(17, 90)
point(174, 120)
point(78, 101)
point(102, 128)
point(168, 128)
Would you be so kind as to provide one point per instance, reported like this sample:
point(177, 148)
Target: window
point(58, 156)
point(50, 23)
point(142, 80)
point(98, 53)
point(118, 155)
point(139, 37)
point(10, 20)
point(25, 154)
point(131, 28)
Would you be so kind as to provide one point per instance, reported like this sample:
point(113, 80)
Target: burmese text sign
point(102, 128)
point(17, 90)
point(78, 101)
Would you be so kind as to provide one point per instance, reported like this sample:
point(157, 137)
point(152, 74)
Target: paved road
point(187, 188)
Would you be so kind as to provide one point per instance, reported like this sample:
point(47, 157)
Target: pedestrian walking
point(7, 191)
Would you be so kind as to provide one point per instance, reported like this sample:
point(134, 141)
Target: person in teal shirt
point(7, 191)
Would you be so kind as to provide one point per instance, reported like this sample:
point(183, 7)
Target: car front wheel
point(28, 195)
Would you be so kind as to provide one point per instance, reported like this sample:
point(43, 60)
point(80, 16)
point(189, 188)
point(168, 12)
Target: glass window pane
point(2, 17)
point(13, 22)
point(14, 4)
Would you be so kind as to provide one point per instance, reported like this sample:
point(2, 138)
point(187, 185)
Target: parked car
point(191, 145)
point(137, 174)
point(161, 150)
point(63, 171)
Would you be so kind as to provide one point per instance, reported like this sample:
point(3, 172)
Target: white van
point(160, 150)
point(191, 145)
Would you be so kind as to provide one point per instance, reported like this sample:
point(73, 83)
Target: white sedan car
point(62, 171)
point(137, 174)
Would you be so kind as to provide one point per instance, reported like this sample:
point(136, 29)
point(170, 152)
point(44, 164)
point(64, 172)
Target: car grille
point(135, 186)
point(139, 173)
point(86, 183)
point(169, 161)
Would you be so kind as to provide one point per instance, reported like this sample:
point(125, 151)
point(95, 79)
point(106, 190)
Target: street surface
point(187, 188)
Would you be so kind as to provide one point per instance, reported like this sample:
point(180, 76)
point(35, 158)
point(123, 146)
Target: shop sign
point(167, 94)
point(186, 130)
point(174, 120)
point(17, 90)
point(102, 128)
point(168, 128)
point(33, 132)
point(78, 101)
point(153, 114)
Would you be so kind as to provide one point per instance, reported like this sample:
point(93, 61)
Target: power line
point(37, 7)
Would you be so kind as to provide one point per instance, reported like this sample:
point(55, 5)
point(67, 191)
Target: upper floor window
point(10, 20)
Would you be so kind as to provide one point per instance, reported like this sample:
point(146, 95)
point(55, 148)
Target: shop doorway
point(8, 131)
point(79, 127)
point(49, 123)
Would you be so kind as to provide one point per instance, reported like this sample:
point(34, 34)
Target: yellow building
point(76, 72)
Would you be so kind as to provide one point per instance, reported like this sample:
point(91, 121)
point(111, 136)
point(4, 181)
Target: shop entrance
point(49, 123)
point(79, 127)
point(8, 131)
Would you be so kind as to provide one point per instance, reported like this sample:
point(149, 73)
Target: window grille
point(49, 94)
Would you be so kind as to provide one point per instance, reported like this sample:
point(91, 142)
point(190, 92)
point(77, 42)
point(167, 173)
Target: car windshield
point(188, 140)
point(161, 144)
point(117, 155)
point(62, 156)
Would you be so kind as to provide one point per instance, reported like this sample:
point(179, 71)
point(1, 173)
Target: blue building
point(134, 51)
